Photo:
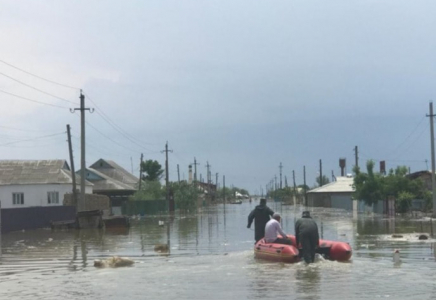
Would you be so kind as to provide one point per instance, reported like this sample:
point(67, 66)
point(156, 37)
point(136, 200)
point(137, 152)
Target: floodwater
point(211, 257)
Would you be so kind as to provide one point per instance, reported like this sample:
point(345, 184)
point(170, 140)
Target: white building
point(336, 194)
point(27, 183)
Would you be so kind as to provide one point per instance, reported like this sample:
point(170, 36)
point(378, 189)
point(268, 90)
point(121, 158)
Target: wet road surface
point(211, 257)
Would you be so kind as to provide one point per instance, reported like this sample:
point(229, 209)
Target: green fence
point(143, 208)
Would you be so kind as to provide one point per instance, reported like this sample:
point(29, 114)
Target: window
point(53, 197)
point(17, 198)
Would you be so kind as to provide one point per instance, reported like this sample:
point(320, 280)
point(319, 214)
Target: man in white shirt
point(273, 228)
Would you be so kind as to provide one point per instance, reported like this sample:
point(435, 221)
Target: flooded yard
point(211, 257)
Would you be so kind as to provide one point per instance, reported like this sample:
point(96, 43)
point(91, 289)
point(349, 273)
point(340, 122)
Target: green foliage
point(153, 169)
point(368, 185)
point(286, 192)
point(325, 180)
point(185, 195)
point(150, 190)
point(372, 187)
point(404, 202)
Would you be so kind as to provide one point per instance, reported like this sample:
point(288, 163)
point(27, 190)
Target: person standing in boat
point(273, 229)
point(261, 215)
point(306, 233)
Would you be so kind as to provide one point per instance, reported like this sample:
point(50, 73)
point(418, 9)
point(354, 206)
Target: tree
point(368, 185)
point(372, 187)
point(150, 190)
point(325, 180)
point(153, 169)
point(185, 195)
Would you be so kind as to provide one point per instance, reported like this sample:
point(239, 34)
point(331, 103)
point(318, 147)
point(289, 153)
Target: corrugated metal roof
point(341, 185)
point(108, 183)
point(35, 172)
point(115, 171)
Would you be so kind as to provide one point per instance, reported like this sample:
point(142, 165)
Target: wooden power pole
point(73, 172)
point(433, 180)
point(82, 203)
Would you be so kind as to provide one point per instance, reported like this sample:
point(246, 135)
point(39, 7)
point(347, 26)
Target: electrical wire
point(31, 100)
point(36, 89)
point(103, 151)
point(20, 129)
point(115, 126)
point(110, 139)
point(33, 139)
point(37, 76)
point(405, 140)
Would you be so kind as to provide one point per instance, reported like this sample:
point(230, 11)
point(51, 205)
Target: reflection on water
point(308, 282)
point(211, 257)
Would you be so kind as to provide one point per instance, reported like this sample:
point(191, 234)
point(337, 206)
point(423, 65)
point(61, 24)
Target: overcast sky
point(241, 84)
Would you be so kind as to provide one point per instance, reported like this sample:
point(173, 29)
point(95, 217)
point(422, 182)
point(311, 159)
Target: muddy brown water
point(211, 257)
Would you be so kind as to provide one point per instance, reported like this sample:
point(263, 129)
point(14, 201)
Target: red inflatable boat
point(332, 250)
point(276, 252)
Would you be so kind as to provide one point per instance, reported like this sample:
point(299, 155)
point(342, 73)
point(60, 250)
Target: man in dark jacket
point(306, 233)
point(261, 215)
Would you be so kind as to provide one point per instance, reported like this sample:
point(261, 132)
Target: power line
point(37, 76)
point(36, 89)
point(27, 140)
point(20, 129)
point(113, 141)
point(115, 126)
point(103, 151)
point(31, 100)
point(405, 140)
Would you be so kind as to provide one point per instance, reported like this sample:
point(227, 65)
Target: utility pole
point(280, 167)
point(286, 181)
point(140, 171)
point(304, 182)
point(82, 109)
point(195, 170)
point(433, 180)
point(208, 179)
point(356, 155)
point(293, 179)
point(178, 173)
point(275, 182)
point(166, 171)
point(224, 191)
point(73, 173)
point(216, 180)
point(320, 173)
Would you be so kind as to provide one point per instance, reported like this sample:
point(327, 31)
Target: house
point(112, 180)
point(425, 176)
point(29, 183)
point(337, 194)
point(32, 193)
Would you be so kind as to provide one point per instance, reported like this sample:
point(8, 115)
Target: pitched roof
point(341, 185)
point(116, 172)
point(102, 182)
point(14, 172)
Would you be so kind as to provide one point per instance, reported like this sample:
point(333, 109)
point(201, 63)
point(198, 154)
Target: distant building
point(425, 176)
point(112, 180)
point(337, 194)
point(29, 183)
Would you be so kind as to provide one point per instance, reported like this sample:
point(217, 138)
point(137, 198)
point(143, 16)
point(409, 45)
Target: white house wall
point(35, 195)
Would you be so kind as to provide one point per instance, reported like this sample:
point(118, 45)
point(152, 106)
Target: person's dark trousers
point(308, 245)
point(283, 241)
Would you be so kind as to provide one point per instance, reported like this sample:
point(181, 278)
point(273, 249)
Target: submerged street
point(211, 257)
